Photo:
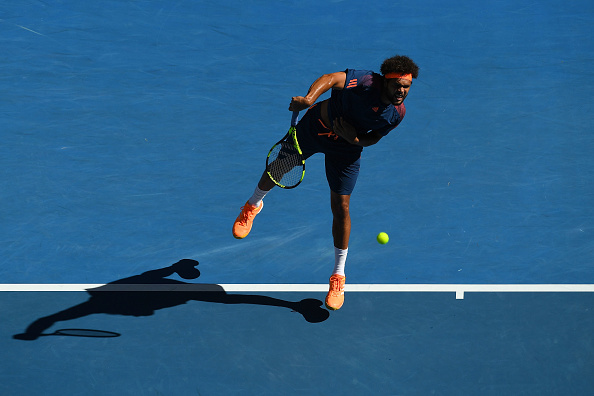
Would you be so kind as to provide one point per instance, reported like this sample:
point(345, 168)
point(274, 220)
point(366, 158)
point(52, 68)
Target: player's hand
point(345, 131)
point(299, 103)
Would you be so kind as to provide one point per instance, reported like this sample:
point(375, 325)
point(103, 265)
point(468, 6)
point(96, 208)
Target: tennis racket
point(285, 164)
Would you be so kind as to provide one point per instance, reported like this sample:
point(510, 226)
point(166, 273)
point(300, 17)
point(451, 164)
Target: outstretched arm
point(349, 133)
point(323, 84)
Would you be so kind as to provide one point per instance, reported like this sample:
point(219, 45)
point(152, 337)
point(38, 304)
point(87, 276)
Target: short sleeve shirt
point(360, 104)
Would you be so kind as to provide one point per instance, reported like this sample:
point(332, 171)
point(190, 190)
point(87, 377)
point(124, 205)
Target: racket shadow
point(142, 295)
point(87, 333)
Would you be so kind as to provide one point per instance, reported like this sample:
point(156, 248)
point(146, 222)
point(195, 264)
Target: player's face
point(395, 90)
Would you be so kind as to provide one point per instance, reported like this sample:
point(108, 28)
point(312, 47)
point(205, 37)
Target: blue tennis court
point(133, 131)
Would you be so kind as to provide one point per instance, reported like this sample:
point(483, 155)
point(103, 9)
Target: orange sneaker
point(243, 223)
point(335, 297)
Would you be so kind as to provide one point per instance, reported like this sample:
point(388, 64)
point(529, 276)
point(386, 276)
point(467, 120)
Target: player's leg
point(342, 175)
point(341, 219)
point(253, 206)
point(243, 223)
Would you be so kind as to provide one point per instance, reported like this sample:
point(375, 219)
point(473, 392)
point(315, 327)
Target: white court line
point(459, 289)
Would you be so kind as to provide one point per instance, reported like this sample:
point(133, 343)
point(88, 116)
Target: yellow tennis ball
point(383, 238)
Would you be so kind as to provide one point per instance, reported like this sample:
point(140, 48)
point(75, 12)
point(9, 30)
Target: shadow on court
point(114, 300)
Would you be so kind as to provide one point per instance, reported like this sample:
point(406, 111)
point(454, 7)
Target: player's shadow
point(120, 298)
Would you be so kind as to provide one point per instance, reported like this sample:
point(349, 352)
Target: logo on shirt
point(352, 83)
point(375, 109)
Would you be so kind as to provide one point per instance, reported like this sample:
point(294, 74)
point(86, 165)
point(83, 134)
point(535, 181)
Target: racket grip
point(294, 118)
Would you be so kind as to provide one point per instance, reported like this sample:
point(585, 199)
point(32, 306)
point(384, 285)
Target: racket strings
point(285, 164)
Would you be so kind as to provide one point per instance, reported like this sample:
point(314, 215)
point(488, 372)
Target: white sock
point(257, 197)
point(340, 256)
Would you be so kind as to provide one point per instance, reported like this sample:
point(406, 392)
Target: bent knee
point(340, 204)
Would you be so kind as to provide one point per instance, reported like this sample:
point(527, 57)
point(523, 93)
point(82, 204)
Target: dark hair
point(400, 64)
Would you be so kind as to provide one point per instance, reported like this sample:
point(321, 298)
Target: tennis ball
point(383, 238)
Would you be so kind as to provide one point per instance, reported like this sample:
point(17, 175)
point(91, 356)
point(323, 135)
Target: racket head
point(285, 164)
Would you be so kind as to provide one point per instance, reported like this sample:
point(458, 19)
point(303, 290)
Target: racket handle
point(294, 118)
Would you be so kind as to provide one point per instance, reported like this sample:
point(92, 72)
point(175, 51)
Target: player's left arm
point(369, 139)
point(346, 131)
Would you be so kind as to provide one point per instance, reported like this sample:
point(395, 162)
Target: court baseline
point(459, 289)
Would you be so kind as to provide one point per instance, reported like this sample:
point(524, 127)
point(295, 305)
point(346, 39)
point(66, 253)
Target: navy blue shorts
point(342, 159)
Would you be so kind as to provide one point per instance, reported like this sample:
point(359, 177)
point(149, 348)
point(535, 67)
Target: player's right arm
point(321, 85)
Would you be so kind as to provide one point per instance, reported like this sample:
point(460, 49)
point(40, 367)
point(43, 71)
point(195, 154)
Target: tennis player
point(363, 108)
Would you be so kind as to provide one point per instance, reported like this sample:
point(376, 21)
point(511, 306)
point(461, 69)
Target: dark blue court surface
point(133, 131)
point(379, 343)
